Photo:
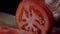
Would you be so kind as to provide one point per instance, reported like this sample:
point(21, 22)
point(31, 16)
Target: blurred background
point(9, 6)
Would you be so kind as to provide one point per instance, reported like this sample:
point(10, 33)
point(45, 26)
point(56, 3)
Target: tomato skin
point(40, 5)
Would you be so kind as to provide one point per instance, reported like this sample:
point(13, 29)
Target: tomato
point(33, 17)
point(8, 30)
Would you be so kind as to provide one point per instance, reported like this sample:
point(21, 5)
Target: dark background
point(9, 6)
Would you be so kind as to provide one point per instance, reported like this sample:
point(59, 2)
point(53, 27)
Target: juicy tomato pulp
point(8, 30)
point(33, 17)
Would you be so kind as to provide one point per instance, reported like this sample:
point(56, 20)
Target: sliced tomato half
point(33, 17)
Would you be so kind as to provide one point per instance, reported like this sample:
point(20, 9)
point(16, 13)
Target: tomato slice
point(8, 30)
point(33, 16)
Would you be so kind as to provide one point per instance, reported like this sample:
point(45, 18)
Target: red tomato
point(8, 30)
point(33, 16)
